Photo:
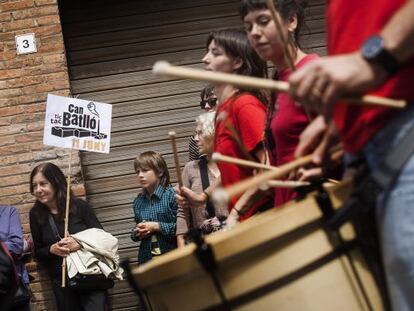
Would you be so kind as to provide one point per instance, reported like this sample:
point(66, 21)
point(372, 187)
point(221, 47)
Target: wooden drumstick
point(287, 51)
point(163, 68)
point(176, 159)
point(287, 183)
point(223, 158)
point(223, 195)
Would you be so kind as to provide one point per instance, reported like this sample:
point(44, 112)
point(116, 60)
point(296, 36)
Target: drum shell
point(262, 250)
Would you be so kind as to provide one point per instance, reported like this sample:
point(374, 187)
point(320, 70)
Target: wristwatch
point(373, 51)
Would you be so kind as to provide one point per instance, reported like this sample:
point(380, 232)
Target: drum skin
point(264, 249)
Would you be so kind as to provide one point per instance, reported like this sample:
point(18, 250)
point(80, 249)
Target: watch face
point(372, 47)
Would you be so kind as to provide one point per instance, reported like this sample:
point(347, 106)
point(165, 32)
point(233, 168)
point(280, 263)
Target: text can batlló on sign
point(78, 124)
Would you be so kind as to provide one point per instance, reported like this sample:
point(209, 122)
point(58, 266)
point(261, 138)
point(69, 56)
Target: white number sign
point(26, 43)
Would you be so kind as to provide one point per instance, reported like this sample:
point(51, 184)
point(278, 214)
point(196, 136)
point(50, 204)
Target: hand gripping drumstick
point(164, 68)
point(176, 159)
point(223, 195)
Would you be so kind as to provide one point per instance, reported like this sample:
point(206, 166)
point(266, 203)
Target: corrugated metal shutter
point(111, 46)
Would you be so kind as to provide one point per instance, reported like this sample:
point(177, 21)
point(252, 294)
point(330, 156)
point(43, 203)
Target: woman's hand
point(187, 197)
point(180, 240)
point(70, 243)
point(61, 251)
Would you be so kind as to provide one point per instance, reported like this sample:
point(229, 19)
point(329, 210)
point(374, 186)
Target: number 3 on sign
point(26, 43)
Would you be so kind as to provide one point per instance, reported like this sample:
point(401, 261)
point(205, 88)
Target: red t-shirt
point(287, 124)
point(350, 23)
point(246, 114)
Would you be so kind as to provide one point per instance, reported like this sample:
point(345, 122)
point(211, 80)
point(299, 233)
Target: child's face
point(148, 179)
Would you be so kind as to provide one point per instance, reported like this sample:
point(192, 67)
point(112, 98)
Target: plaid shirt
point(160, 207)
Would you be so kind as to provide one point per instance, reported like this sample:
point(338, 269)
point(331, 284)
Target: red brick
point(14, 190)
point(17, 5)
point(10, 111)
point(24, 138)
point(12, 73)
point(44, 2)
point(25, 24)
point(48, 20)
point(35, 12)
point(15, 169)
point(55, 46)
point(54, 58)
point(12, 129)
point(37, 125)
point(7, 55)
point(4, 141)
point(25, 157)
point(49, 30)
point(5, 17)
point(13, 180)
point(8, 36)
point(10, 93)
point(25, 81)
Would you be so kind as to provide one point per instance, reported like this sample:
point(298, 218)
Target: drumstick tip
point(215, 156)
point(160, 67)
point(220, 197)
point(171, 134)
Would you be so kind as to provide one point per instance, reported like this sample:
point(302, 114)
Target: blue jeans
point(395, 213)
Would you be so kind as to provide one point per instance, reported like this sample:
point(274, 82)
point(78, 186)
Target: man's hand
point(319, 84)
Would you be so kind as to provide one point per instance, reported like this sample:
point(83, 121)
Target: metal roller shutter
point(111, 46)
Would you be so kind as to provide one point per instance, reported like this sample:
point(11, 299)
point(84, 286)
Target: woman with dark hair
point(49, 186)
point(285, 120)
point(241, 113)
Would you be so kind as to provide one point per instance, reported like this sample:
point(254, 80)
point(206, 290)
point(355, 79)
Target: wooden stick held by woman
point(176, 159)
point(163, 68)
point(67, 216)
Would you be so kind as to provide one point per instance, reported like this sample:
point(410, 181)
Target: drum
point(282, 259)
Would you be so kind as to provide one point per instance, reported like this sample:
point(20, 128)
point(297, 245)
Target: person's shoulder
point(80, 203)
point(7, 209)
point(170, 189)
point(191, 165)
point(140, 195)
point(308, 58)
point(247, 99)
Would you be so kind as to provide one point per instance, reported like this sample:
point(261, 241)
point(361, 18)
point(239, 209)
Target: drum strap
point(205, 256)
point(285, 280)
point(135, 286)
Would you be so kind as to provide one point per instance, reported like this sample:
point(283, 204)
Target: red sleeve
point(250, 114)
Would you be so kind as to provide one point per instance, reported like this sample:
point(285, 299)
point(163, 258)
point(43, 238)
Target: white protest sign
point(78, 124)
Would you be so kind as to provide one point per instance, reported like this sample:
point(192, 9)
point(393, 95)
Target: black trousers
point(68, 299)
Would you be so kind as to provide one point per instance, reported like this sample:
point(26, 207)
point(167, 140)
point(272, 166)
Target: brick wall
point(25, 81)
